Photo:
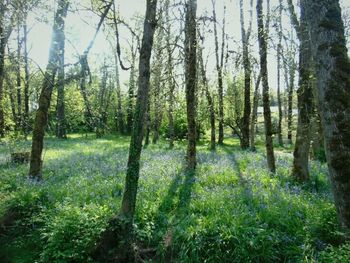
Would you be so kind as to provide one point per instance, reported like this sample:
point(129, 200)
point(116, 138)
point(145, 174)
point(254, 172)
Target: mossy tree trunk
point(35, 170)
point(262, 37)
point(332, 72)
point(133, 168)
point(191, 80)
point(305, 97)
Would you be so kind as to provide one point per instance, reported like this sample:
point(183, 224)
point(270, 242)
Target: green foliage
point(72, 233)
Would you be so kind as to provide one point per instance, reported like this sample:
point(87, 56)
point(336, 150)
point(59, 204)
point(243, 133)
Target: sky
point(80, 27)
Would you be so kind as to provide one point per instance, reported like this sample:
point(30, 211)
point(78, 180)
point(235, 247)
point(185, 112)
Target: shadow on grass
point(172, 211)
point(243, 181)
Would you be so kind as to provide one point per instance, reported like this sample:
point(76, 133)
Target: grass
point(230, 210)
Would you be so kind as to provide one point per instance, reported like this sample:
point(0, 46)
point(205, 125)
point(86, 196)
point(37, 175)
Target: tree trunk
point(262, 36)
point(130, 110)
point(170, 78)
point(332, 70)
point(61, 131)
point(133, 168)
point(279, 54)
point(290, 101)
point(219, 68)
point(247, 80)
point(190, 78)
point(18, 82)
point(119, 117)
point(35, 170)
point(26, 125)
point(254, 113)
point(2, 70)
point(148, 124)
point(305, 97)
point(209, 98)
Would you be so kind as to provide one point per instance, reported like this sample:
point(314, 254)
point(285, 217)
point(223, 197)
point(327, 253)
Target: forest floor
point(231, 210)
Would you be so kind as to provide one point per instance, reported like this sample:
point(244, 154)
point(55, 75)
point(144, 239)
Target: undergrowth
point(231, 210)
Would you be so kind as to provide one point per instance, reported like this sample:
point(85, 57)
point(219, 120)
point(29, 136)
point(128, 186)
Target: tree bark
point(35, 170)
point(332, 70)
point(262, 36)
point(190, 78)
point(133, 168)
point(305, 96)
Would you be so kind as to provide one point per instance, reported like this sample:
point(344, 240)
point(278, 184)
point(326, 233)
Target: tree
point(247, 75)
point(5, 32)
point(35, 170)
point(61, 131)
point(255, 113)
point(262, 36)
point(219, 55)
point(279, 55)
point(132, 174)
point(209, 97)
point(170, 77)
point(332, 71)
point(190, 80)
point(305, 97)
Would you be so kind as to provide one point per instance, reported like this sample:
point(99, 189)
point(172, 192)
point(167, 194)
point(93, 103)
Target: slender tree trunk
point(120, 115)
point(209, 98)
point(332, 70)
point(148, 123)
point(26, 125)
point(190, 77)
point(103, 100)
point(279, 54)
point(35, 170)
point(2, 70)
point(219, 68)
point(130, 110)
point(305, 97)
point(170, 78)
point(290, 101)
point(61, 131)
point(247, 80)
point(262, 36)
point(19, 82)
point(133, 168)
point(255, 113)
